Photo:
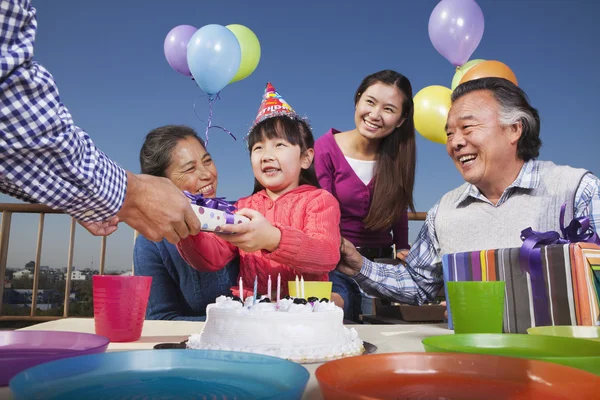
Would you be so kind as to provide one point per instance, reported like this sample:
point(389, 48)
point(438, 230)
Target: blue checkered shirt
point(44, 157)
point(421, 279)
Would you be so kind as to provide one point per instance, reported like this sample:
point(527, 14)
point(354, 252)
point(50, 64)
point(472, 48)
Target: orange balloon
point(490, 69)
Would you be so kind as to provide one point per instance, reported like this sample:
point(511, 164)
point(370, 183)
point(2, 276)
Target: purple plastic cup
point(20, 350)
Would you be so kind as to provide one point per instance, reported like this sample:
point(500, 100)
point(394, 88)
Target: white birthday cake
point(310, 332)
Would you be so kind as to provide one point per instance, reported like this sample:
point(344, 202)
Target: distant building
point(24, 273)
point(46, 298)
point(12, 296)
point(89, 273)
point(77, 276)
point(30, 266)
point(128, 273)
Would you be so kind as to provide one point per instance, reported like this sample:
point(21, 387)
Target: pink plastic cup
point(120, 306)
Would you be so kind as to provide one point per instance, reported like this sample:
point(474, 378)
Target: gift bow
point(579, 230)
point(216, 203)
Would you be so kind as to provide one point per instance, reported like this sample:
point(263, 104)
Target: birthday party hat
point(273, 105)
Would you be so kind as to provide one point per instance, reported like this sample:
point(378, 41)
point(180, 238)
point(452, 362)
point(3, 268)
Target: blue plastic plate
point(166, 374)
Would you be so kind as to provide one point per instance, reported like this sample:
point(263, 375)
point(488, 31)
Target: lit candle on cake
point(302, 286)
point(241, 290)
point(269, 288)
point(255, 286)
point(278, 288)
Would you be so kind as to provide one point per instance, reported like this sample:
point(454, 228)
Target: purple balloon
point(176, 48)
point(455, 29)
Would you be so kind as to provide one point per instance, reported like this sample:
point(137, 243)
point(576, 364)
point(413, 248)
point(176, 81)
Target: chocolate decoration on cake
point(300, 301)
point(235, 298)
point(324, 300)
point(265, 300)
point(287, 297)
point(312, 299)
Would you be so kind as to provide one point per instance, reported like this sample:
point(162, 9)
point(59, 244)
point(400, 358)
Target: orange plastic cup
point(120, 306)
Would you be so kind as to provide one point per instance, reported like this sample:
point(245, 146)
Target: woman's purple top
point(337, 176)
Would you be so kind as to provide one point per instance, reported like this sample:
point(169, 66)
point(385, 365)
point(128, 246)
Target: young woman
point(371, 169)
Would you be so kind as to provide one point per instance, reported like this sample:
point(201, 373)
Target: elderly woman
point(179, 292)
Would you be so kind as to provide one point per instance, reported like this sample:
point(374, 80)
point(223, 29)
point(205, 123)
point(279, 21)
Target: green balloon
point(250, 47)
point(460, 71)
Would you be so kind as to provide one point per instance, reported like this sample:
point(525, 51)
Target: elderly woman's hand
point(351, 260)
point(257, 234)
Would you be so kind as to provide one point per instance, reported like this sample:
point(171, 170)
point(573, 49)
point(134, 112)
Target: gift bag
point(559, 290)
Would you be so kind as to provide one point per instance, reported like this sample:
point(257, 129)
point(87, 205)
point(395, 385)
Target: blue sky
point(107, 58)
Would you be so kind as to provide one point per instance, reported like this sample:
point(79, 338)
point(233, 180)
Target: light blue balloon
point(214, 57)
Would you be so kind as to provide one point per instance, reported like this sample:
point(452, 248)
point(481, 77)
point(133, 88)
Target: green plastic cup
point(477, 307)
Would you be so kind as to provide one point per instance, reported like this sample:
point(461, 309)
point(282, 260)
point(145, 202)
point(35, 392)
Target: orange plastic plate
point(452, 376)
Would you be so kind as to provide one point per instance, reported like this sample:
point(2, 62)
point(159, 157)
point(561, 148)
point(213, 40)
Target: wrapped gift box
point(559, 290)
point(212, 220)
point(214, 212)
point(593, 256)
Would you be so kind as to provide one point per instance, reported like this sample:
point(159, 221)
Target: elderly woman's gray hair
point(513, 107)
point(156, 152)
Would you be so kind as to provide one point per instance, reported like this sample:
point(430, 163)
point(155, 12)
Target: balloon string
point(209, 125)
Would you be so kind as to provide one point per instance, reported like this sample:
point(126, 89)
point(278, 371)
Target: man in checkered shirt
point(493, 140)
point(45, 158)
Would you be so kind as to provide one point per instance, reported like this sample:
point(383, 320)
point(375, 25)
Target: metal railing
point(8, 209)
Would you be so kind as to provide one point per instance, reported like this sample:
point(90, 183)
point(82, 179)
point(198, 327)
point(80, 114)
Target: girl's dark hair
point(294, 130)
point(155, 155)
point(394, 175)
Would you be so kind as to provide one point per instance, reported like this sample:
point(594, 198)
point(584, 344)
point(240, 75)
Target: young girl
point(294, 225)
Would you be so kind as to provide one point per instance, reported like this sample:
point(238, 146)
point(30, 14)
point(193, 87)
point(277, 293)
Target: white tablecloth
point(387, 338)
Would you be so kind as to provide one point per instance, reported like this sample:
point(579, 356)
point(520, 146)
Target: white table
point(387, 338)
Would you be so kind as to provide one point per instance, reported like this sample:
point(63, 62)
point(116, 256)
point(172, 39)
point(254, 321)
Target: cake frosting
point(310, 332)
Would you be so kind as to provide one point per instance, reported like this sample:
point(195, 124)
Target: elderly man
point(493, 140)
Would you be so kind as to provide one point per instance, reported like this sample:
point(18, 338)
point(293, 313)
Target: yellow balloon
point(431, 112)
point(250, 47)
point(462, 70)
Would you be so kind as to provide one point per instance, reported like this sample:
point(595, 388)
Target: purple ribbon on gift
point(579, 230)
point(216, 203)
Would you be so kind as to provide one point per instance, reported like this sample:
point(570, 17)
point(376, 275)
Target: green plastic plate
point(578, 353)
